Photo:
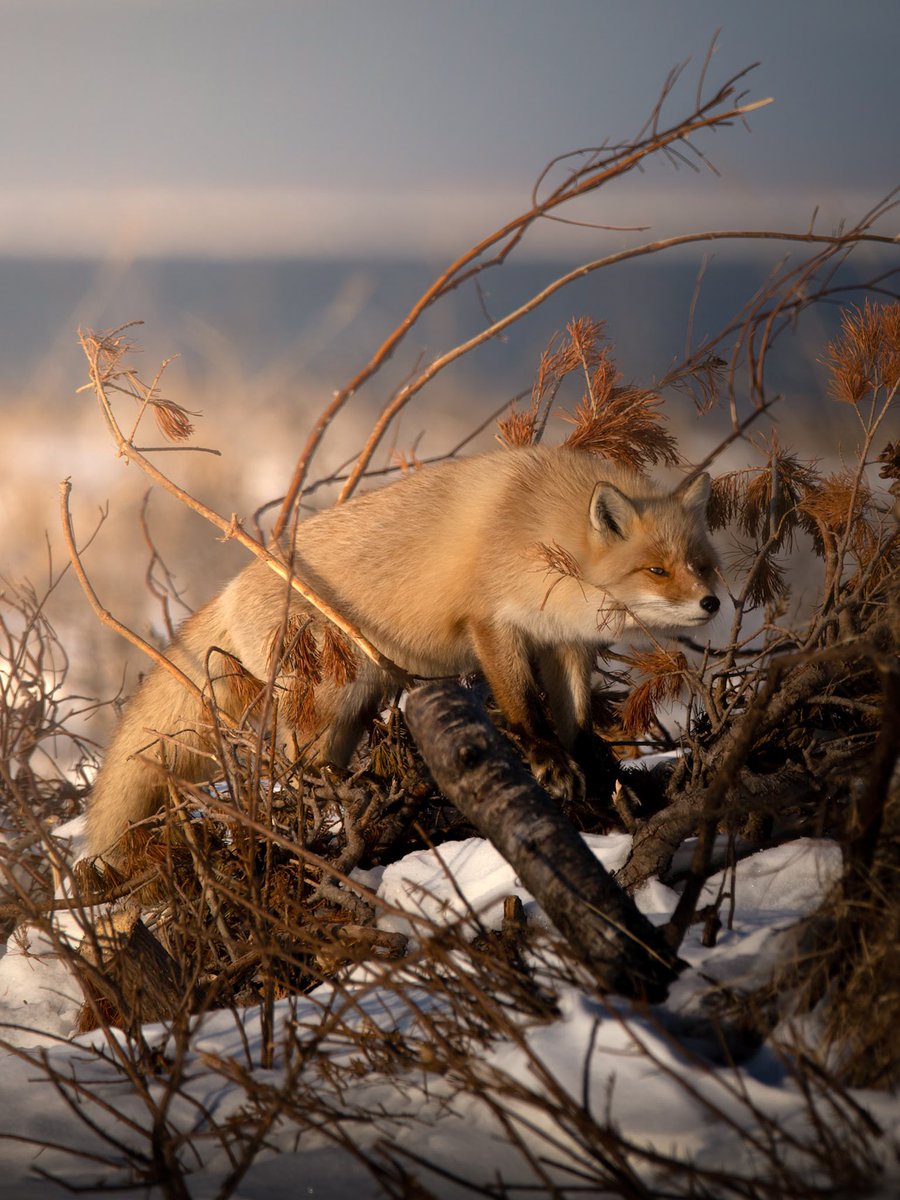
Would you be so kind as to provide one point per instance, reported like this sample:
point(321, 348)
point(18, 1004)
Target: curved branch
point(95, 345)
point(406, 393)
point(104, 614)
point(581, 182)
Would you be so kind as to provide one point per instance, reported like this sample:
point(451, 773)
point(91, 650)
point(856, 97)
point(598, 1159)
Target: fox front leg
point(506, 661)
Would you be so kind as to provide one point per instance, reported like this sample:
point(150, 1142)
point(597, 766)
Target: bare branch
point(104, 352)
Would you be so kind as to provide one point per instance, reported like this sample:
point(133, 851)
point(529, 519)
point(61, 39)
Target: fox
point(519, 563)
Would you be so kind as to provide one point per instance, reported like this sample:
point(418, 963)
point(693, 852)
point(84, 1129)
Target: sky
point(271, 127)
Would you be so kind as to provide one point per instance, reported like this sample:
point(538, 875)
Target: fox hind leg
point(329, 718)
point(358, 702)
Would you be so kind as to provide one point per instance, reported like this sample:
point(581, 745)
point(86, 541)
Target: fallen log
point(478, 770)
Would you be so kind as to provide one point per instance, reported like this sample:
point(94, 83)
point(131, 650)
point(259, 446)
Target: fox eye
point(659, 571)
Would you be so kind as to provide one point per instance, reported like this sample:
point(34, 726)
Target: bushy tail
point(130, 786)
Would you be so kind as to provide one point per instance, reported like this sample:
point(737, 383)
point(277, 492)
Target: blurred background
point(271, 186)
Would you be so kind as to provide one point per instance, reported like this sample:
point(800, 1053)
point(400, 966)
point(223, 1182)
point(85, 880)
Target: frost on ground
point(551, 1089)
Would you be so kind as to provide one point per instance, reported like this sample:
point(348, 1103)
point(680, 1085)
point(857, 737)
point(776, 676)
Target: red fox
point(446, 571)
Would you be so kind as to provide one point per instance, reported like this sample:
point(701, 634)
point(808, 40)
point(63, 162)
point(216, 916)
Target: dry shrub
point(245, 897)
point(846, 971)
point(623, 424)
point(866, 355)
point(44, 764)
point(279, 853)
point(659, 678)
point(254, 899)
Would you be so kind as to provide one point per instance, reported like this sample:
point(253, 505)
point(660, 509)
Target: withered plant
point(249, 892)
point(801, 695)
point(45, 765)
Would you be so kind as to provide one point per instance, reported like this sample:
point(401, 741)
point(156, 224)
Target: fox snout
point(706, 608)
point(659, 611)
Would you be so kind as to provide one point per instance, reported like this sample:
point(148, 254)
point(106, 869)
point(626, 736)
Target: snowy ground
point(617, 1061)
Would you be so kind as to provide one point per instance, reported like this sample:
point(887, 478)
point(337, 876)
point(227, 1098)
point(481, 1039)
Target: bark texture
point(478, 770)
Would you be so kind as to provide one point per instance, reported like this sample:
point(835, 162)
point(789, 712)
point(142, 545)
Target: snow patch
point(617, 1059)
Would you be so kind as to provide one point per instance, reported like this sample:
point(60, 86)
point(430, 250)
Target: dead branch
point(406, 393)
point(479, 771)
point(111, 347)
point(597, 168)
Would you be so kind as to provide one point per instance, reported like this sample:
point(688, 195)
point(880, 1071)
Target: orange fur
point(444, 572)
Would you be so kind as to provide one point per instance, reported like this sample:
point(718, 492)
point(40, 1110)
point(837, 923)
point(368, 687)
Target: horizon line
point(293, 222)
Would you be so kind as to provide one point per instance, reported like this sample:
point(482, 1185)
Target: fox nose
point(710, 604)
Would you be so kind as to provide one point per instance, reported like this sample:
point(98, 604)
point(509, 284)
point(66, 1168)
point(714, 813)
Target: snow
point(422, 882)
point(615, 1058)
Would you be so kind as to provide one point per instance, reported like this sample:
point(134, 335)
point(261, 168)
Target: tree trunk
point(478, 770)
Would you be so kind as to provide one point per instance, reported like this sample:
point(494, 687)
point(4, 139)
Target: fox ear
point(611, 510)
point(694, 496)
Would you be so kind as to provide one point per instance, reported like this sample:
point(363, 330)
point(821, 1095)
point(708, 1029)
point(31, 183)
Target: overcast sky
point(288, 126)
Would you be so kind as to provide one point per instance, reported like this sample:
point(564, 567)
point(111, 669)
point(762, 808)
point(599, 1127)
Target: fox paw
point(558, 774)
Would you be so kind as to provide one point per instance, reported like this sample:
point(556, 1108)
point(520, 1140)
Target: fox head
point(652, 556)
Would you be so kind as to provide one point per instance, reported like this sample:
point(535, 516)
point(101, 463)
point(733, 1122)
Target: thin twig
point(104, 614)
point(588, 179)
point(406, 393)
point(93, 344)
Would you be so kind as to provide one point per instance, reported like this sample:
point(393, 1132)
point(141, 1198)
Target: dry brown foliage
point(623, 424)
point(866, 355)
point(663, 681)
point(558, 563)
point(304, 652)
point(111, 350)
point(517, 428)
point(791, 728)
point(620, 423)
point(765, 502)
